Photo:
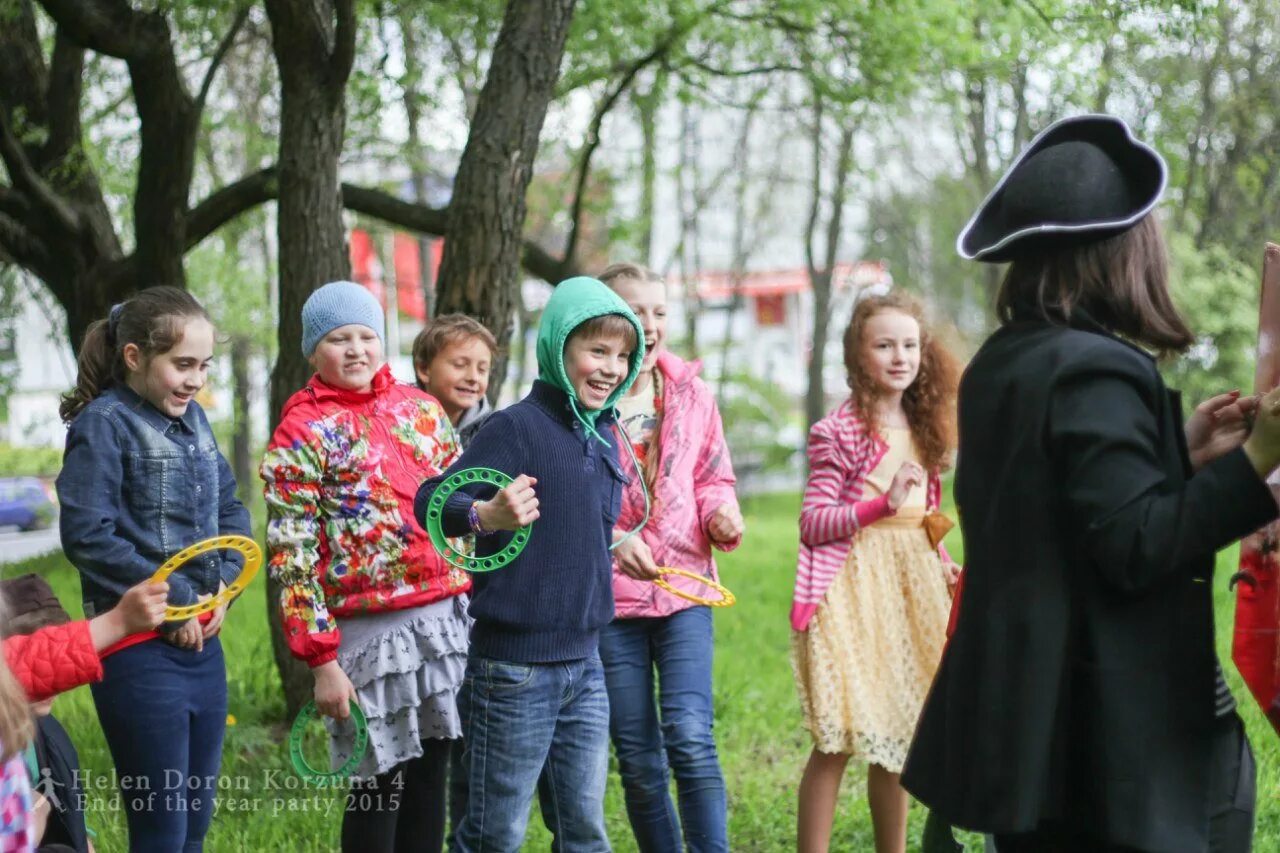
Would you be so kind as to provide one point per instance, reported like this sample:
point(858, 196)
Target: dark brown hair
point(1122, 282)
point(929, 402)
point(152, 319)
point(613, 274)
point(443, 332)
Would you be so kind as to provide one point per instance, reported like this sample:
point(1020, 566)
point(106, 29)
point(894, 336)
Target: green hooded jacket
point(574, 302)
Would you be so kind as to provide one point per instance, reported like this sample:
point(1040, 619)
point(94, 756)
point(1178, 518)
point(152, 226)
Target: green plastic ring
point(305, 770)
point(435, 515)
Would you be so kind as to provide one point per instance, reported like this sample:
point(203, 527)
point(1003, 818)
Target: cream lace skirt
point(866, 662)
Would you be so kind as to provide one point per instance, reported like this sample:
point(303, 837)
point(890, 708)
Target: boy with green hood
point(534, 693)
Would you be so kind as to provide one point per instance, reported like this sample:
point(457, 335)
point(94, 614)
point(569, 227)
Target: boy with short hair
point(452, 357)
point(534, 691)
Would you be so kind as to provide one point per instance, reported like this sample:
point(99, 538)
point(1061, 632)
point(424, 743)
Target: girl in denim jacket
point(142, 478)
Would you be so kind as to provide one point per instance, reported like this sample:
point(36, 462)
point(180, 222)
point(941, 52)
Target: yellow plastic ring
point(252, 563)
point(726, 598)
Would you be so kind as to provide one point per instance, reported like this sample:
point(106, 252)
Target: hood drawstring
point(585, 421)
point(644, 487)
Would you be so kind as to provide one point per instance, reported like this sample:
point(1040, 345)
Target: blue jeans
point(163, 711)
point(524, 721)
point(679, 647)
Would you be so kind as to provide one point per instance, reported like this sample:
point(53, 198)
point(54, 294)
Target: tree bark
point(54, 220)
point(314, 43)
point(647, 105)
point(479, 274)
point(821, 273)
point(241, 452)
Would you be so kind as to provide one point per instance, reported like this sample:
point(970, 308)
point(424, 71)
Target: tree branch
point(815, 203)
point(228, 202)
point(262, 186)
point(702, 65)
point(14, 203)
point(25, 178)
point(428, 220)
point(344, 41)
point(840, 196)
point(23, 247)
point(224, 47)
point(592, 141)
point(103, 27)
point(66, 84)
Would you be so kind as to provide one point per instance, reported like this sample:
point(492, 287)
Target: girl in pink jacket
point(671, 418)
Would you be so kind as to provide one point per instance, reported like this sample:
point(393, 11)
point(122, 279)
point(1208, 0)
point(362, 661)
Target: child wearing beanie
point(366, 601)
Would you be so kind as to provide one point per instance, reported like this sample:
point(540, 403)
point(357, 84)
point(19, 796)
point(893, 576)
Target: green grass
point(762, 746)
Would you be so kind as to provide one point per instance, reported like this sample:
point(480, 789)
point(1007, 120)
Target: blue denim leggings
point(674, 731)
point(163, 711)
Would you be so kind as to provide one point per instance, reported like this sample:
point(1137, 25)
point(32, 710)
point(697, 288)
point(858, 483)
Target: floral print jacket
point(341, 473)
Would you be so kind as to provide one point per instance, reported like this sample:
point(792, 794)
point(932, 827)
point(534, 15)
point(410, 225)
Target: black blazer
point(1079, 683)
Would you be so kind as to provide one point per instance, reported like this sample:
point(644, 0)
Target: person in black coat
point(1079, 704)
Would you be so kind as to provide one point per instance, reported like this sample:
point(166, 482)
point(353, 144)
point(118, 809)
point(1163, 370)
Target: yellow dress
point(865, 663)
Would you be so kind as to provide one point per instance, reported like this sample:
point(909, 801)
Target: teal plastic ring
point(435, 516)
point(305, 770)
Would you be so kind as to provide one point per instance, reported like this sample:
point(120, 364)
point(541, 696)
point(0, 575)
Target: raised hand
point(511, 508)
point(909, 476)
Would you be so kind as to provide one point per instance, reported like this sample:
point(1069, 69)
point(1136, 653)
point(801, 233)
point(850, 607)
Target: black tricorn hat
point(1082, 179)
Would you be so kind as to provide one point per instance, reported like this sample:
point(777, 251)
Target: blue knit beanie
point(337, 304)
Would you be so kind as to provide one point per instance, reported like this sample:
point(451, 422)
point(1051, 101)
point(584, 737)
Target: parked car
point(27, 503)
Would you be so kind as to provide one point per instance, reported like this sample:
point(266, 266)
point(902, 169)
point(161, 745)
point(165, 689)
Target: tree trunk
point(313, 53)
point(647, 106)
point(815, 398)
point(480, 271)
point(820, 277)
point(241, 434)
point(690, 213)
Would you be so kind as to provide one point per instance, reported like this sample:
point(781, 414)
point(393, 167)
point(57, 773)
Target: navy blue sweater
point(550, 603)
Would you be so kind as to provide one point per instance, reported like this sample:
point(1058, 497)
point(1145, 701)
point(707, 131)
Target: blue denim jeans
point(163, 711)
point(648, 742)
point(533, 726)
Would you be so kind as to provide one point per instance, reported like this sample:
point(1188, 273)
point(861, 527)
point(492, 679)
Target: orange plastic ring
point(726, 598)
point(252, 563)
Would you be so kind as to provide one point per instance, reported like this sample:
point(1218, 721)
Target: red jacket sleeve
point(53, 659)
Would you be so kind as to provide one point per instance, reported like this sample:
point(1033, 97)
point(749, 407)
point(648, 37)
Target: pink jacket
point(841, 454)
point(695, 479)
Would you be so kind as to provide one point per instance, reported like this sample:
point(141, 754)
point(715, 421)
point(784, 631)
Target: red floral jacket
point(341, 473)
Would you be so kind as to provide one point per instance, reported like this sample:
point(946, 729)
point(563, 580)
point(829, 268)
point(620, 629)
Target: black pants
point(401, 810)
point(1232, 792)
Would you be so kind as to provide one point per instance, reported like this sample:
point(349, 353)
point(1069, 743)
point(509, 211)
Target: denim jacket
point(138, 486)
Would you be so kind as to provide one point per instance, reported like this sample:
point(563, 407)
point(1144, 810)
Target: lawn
point(762, 746)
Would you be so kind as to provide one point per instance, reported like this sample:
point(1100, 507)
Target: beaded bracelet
point(473, 519)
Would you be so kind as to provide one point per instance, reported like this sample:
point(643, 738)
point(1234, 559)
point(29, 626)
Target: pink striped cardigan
point(842, 452)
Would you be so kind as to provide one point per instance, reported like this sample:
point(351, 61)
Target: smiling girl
point(658, 638)
point(142, 479)
point(366, 601)
point(872, 592)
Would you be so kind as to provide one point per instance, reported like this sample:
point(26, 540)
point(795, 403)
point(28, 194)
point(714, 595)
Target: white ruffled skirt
point(406, 667)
